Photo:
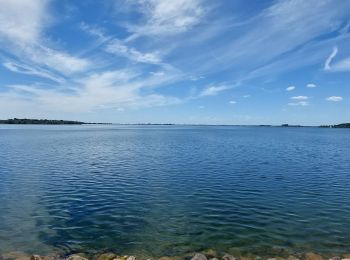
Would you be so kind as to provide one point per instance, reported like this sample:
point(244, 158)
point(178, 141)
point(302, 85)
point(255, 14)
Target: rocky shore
point(207, 255)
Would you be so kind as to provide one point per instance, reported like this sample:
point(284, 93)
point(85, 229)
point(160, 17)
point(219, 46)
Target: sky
point(176, 61)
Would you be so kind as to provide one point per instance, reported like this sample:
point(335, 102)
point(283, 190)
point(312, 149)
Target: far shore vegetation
point(26, 121)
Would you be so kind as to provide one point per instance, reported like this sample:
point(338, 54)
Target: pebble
point(346, 256)
point(199, 256)
point(228, 257)
point(335, 258)
point(107, 256)
point(76, 257)
point(210, 253)
point(313, 256)
point(15, 256)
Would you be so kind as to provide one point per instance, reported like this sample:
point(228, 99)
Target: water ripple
point(172, 190)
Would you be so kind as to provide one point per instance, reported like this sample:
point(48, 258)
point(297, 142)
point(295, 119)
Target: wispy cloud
point(95, 31)
point(299, 103)
point(342, 65)
point(290, 88)
point(214, 90)
point(117, 48)
point(164, 17)
point(22, 24)
point(232, 102)
point(191, 48)
point(304, 21)
point(300, 98)
point(327, 64)
point(334, 98)
point(111, 89)
point(31, 70)
point(57, 60)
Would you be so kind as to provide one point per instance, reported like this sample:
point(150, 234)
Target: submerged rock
point(335, 258)
point(199, 256)
point(313, 256)
point(107, 256)
point(292, 257)
point(76, 257)
point(246, 258)
point(125, 257)
point(346, 256)
point(36, 257)
point(211, 253)
point(15, 256)
point(228, 257)
point(131, 258)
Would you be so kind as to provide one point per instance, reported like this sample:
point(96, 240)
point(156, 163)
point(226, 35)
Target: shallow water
point(169, 190)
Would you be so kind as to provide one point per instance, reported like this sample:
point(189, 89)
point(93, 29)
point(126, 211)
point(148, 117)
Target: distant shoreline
point(26, 121)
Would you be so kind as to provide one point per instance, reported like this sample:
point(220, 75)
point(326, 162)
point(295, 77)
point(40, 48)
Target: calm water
point(169, 190)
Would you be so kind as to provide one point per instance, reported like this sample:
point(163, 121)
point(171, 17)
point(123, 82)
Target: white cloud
point(311, 85)
point(22, 20)
point(300, 98)
point(168, 16)
point(232, 102)
point(342, 65)
point(214, 90)
point(246, 96)
point(116, 47)
point(290, 88)
point(299, 103)
point(334, 98)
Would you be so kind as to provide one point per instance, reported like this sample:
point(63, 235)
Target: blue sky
point(176, 61)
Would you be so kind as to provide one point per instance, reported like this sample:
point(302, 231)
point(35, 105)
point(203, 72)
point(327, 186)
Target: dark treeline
point(25, 121)
point(344, 125)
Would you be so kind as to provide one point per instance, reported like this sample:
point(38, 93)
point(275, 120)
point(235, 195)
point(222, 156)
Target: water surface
point(170, 190)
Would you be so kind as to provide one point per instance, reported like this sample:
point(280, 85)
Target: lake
point(171, 190)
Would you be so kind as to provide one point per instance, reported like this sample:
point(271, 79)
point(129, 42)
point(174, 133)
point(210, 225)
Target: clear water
point(169, 190)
